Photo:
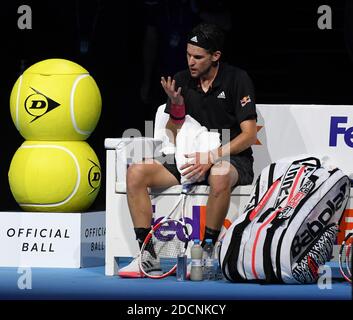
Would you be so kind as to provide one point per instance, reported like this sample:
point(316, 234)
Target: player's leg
point(223, 176)
point(139, 178)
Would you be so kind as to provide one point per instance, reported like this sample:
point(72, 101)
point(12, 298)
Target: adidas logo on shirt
point(194, 39)
point(222, 95)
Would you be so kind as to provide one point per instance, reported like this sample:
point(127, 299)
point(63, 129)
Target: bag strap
point(306, 162)
point(264, 222)
point(294, 204)
point(235, 242)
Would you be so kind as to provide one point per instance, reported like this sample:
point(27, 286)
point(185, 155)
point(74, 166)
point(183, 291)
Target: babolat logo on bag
point(307, 265)
point(288, 229)
point(316, 224)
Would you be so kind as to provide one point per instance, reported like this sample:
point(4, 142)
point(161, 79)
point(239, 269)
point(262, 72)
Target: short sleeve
point(245, 98)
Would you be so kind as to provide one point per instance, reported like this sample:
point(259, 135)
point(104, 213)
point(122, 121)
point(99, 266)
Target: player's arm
point(244, 140)
point(172, 130)
point(245, 109)
point(197, 167)
point(177, 108)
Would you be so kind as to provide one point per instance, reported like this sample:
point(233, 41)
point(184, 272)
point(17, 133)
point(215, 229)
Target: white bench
point(120, 238)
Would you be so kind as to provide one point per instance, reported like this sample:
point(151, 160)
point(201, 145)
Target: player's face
point(199, 60)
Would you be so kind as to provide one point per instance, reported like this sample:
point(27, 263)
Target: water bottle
point(218, 268)
point(196, 261)
point(208, 261)
point(181, 267)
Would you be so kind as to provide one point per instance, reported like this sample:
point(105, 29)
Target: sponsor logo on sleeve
point(245, 100)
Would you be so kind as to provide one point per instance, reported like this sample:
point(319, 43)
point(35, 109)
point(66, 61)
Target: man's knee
point(136, 175)
point(221, 183)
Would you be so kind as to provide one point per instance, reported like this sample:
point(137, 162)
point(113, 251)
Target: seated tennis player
point(218, 96)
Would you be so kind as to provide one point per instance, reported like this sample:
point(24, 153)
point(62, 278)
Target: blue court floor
point(91, 283)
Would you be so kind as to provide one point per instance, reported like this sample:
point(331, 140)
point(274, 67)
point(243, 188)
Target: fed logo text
point(338, 126)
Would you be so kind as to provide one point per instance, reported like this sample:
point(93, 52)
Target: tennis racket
point(345, 257)
point(166, 240)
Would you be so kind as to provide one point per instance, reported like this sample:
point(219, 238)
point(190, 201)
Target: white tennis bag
point(288, 228)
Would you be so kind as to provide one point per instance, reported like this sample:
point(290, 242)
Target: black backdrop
point(288, 57)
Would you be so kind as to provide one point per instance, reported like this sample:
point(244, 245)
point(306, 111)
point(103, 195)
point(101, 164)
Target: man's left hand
point(197, 167)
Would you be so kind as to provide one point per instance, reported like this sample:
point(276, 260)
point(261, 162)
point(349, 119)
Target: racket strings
point(349, 259)
point(162, 249)
point(345, 258)
point(165, 242)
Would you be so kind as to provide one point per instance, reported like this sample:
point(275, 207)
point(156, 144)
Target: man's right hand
point(169, 88)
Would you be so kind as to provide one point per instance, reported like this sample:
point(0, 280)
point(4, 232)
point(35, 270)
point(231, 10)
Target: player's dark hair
point(210, 37)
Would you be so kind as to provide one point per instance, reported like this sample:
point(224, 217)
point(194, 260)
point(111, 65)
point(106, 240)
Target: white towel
point(160, 131)
point(192, 137)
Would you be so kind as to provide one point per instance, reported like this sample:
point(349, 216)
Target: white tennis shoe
point(132, 270)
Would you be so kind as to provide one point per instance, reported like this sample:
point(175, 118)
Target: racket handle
point(186, 188)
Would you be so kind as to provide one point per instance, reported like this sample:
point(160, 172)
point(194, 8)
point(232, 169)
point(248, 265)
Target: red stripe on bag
point(264, 200)
point(266, 222)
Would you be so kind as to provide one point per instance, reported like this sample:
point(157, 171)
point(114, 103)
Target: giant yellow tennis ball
point(55, 176)
point(55, 99)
